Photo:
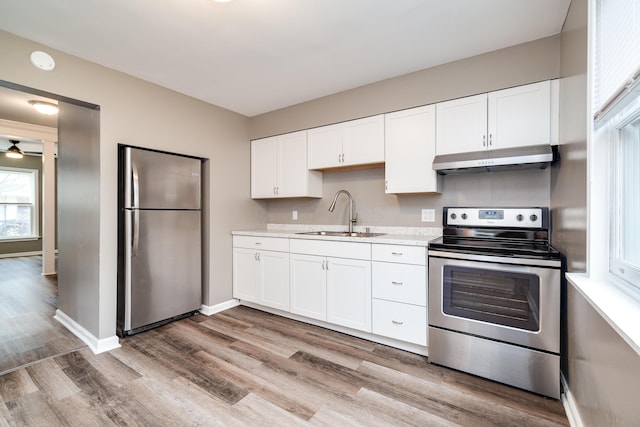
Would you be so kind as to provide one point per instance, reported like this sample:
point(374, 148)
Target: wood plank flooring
point(28, 301)
point(245, 367)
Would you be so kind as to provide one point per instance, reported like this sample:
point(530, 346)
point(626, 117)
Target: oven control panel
point(491, 217)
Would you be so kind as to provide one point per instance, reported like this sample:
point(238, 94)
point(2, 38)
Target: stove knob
point(464, 216)
point(520, 217)
point(453, 216)
point(533, 218)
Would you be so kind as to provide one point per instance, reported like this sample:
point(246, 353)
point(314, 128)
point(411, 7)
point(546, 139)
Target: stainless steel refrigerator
point(160, 239)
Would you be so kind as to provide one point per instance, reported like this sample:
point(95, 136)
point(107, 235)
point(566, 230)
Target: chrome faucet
point(353, 216)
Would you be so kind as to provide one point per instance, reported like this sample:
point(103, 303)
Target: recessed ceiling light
point(46, 108)
point(42, 60)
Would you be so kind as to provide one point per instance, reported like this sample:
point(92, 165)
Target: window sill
point(20, 239)
point(618, 308)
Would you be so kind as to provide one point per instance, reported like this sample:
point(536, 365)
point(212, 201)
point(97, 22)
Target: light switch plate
point(294, 215)
point(428, 215)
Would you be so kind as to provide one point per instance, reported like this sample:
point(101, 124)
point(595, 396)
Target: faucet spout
point(352, 213)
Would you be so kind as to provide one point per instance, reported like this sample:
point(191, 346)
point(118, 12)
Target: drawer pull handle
point(258, 243)
point(397, 283)
point(396, 253)
point(397, 322)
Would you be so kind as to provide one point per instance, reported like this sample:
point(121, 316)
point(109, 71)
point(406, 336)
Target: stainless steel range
point(494, 297)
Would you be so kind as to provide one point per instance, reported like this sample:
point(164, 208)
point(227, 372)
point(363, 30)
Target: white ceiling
point(255, 56)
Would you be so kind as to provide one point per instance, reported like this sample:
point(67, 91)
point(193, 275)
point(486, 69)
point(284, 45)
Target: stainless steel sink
point(341, 234)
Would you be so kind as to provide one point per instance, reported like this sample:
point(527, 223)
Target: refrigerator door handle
point(135, 232)
point(135, 187)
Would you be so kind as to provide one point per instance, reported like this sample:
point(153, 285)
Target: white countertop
point(411, 236)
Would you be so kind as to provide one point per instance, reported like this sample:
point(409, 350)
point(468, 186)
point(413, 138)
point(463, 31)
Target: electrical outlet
point(428, 215)
point(294, 215)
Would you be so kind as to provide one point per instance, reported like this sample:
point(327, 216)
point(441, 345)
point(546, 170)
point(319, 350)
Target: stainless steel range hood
point(532, 157)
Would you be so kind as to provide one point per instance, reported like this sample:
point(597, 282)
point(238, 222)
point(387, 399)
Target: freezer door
point(165, 266)
point(161, 181)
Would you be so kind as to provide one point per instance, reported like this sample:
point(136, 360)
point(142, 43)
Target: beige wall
point(603, 371)
point(79, 215)
point(569, 177)
point(525, 63)
point(139, 113)
point(530, 62)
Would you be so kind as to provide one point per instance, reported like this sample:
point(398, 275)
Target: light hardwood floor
point(28, 301)
point(245, 367)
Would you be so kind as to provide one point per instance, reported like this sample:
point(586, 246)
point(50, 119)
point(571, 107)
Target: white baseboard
point(208, 310)
point(570, 406)
point(20, 254)
point(96, 345)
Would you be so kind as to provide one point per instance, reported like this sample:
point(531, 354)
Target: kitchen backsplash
point(375, 208)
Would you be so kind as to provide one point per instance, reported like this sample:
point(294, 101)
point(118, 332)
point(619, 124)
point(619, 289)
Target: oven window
point(498, 297)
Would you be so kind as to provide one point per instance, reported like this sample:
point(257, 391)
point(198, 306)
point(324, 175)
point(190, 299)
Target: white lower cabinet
point(261, 275)
point(374, 288)
point(333, 289)
point(308, 286)
point(399, 291)
point(349, 293)
point(400, 321)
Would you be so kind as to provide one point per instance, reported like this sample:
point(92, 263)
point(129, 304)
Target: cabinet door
point(520, 116)
point(264, 165)
point(363, 141)
point(274, 277)
point(246, 284)
point(410, 145)
point(324, 147)
point(308, 286)
point(461, 125)
point(294, 179)
point(349, 293)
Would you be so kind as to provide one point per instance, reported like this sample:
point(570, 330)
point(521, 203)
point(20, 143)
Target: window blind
point(617, 55)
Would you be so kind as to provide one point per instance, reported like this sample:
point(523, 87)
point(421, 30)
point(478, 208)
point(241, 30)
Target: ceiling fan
point(12, 147)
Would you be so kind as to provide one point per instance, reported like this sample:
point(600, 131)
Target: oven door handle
point(553, 263)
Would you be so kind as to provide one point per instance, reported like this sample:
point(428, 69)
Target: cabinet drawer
point(263, 243)
point(398, 253)
point(399, 321)
point(399, 282)
point(331, 248)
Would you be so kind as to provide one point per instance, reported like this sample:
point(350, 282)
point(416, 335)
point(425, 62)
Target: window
point(616, 106)
point(624, 247)
point(18, 203)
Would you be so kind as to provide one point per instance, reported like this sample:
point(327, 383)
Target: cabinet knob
point(396, 283)
point(397, 322)
point(490, 139)
point(484, 140)
point(396, 253)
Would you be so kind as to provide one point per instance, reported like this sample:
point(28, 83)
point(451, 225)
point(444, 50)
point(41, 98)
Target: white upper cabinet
point(508, 118)
point(279, 168)
point(461, 125)
point(520, 116)
point(352, 143)
point(410, 145)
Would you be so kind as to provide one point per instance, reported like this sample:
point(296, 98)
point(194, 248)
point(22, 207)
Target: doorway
point(29, 299)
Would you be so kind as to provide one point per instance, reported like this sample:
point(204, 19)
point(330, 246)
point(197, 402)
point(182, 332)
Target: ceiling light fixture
point(45, 107)
point(14, 152)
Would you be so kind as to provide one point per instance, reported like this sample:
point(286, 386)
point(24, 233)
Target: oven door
point(512, 303)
